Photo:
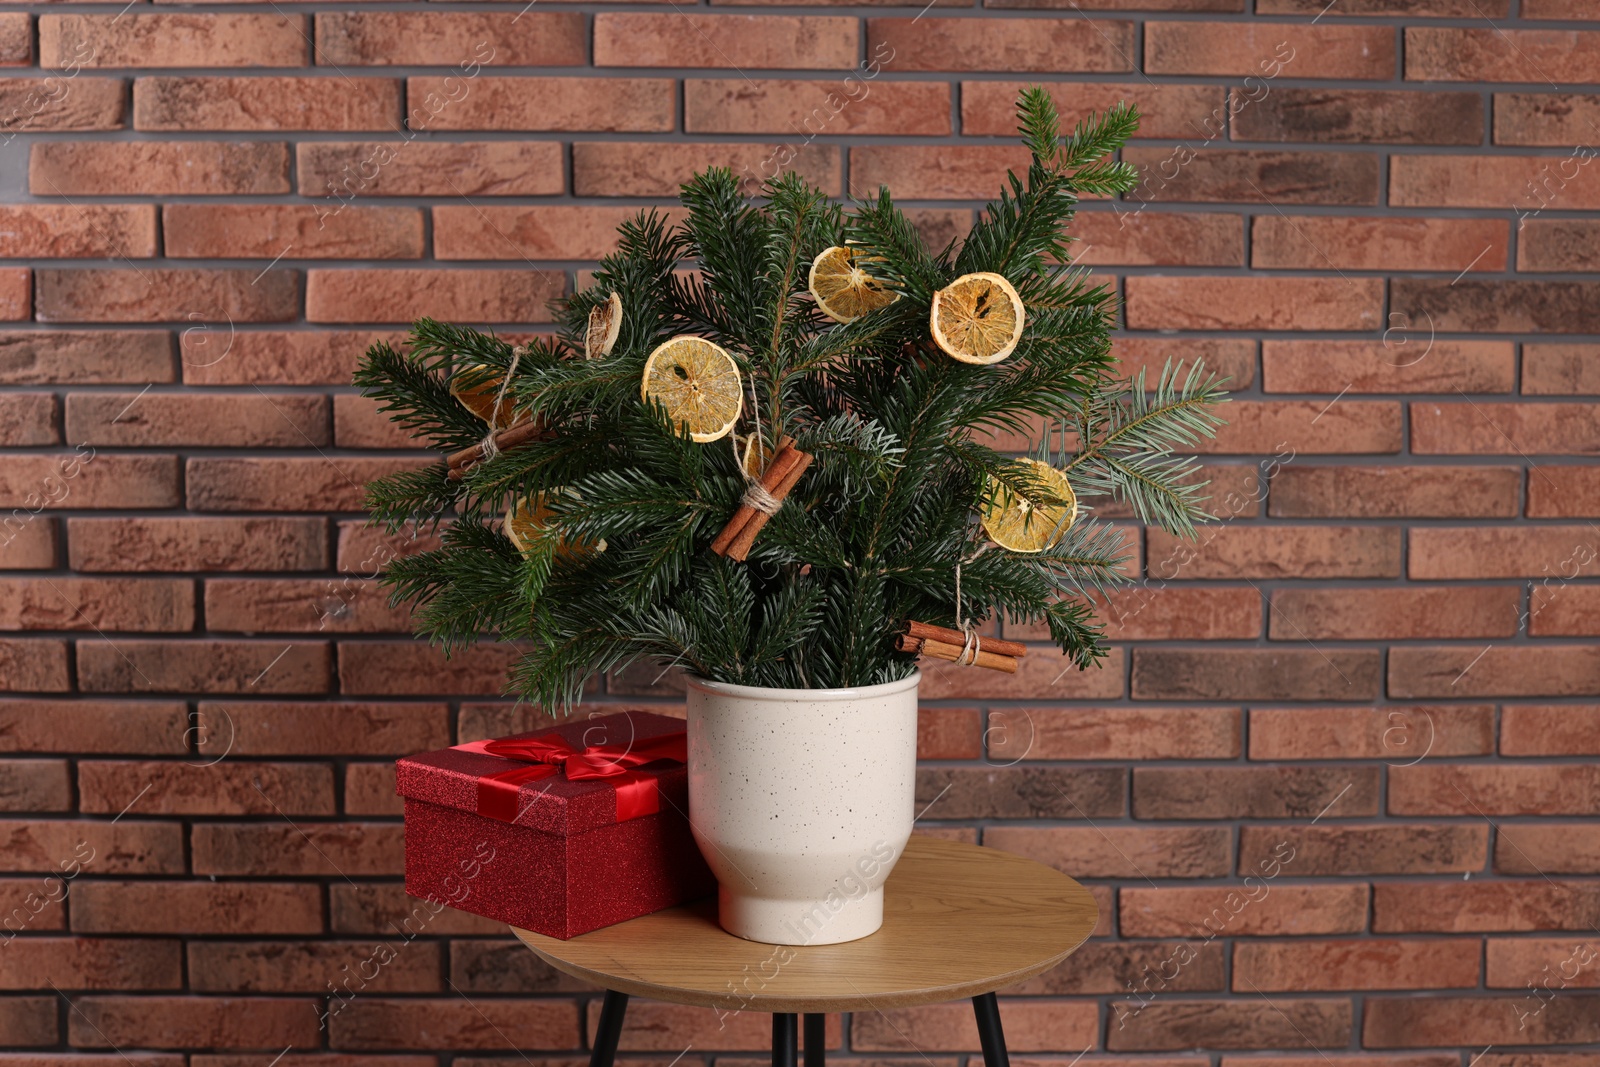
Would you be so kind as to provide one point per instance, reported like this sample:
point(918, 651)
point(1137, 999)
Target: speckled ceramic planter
point(801, 801)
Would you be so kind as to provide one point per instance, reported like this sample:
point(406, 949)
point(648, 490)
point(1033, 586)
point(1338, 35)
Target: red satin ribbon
point(547, 755)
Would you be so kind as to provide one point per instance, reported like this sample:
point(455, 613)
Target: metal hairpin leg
point(816, 1040)
point(993, 1039)
point(606, 1034)
point(785, 1039)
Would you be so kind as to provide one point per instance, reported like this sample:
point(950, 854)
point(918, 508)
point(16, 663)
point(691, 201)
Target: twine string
point(490, 447)
point(756, 496)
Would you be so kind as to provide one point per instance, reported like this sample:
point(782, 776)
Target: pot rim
point(757, 692)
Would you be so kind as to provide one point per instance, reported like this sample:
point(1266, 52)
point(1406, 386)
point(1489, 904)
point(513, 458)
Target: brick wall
point(1372, 685)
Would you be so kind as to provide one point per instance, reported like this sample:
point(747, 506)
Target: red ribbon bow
point(547, 755)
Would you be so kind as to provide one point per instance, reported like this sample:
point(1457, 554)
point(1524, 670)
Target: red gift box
point(561, 831)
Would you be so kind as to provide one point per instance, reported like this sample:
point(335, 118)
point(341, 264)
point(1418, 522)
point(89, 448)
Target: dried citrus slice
point(698, 383)
point(526, 517)
point(1012, 521)
point(842, 289)
point(977, 318)
point(479, 397)
point(752, 454)
point(605, 323)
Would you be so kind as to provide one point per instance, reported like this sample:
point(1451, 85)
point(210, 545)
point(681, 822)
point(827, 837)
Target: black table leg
point(816, 1040)
point(609, 1030)
point(785, 1039)
point(990, 1035)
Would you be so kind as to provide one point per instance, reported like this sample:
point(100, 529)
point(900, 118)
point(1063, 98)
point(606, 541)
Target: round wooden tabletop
point(959, 920)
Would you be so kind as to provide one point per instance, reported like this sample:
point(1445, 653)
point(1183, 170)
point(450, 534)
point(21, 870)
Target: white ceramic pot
point(801, 801)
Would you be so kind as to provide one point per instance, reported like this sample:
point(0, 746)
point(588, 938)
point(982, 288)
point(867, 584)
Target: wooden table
point(959, 921)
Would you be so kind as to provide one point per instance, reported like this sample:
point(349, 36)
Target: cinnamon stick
point(953, 653)
point(959, 639)
point(747, 536)
point(460, 462)
point(781, 463)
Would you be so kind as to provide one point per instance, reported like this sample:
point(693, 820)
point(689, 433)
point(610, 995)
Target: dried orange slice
point(753, 454)
point(605, 323)
point(526, 517)
point(698, 383)
point(1014, 522)
point(842, 289)
point(479, 398)
point(977, 318)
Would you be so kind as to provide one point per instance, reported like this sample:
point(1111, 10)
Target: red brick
point(1321, 242)
point(186, 544)
point(1128, 5)
point(934, 172)
point(91, 963)
point(1346, 849)
point(1278, 910)
point(1501, 552)
point(770, 42)
point(305, 605)
point(1120, 851)
point(410, 668)
point(1403, 364)
point(345, 169)
point(949, 733)
point(1466, 672)
point(132, 604)
point(85, 357)
point(171, 39)
point(1367, 963)
point(308, 967)
point(1030, 1026)
point(353, 296)
point(1246, 1024)
point(1255, 674)
point(1550, 730)
point(1253, 792)
point(1360, 116)
point(1390, 614)
point(1548, 848)
point(287, 420)
point(193, 1022)
point(1554, 963)
point(101, 847)
point(1014, 734)
point(1516, 183)
point(1002, 44)
point(358, 422)
point(273, 357)
point(28, 419)
point(347, 728)
point(1397, 735)
point(312, 849)
point(1562, 610)
point(1221, 175)
point(1557, 245)
point(1563, 492)
point(34, 666)
point(16, 293)
point(35, 785)
point(1303, 491)
point(1151, 239)
point(27, 544)
point(1043, 675)
point(366, 550)
point(235, 909)
point(610, 168)
point(1305, 426)
point(1029, 792)
point(291, 484)
point(369, 790)
point(157, 168)
point(844, 106)
point(544, 231)
point(319, 1059)
point(132, 727)
point(1555, 119)
point(1505, 429)
point(26, 1021)
point(1232, 357)
point(374, 1023)
point(613, 105)
point(1269, 50)
point(1467, 789)
point(1458, 53)
point(1555, 9)
point(294, 231)
point(463, 39)
point(1254, 303)
point(43, 104)
point(1555, 369)
point(1475, 907)
point(167, 295)
point(660, 1027)
point(381, 909)
point(16, 40)
point(1415, 1022)
point(1398, 8)
point(989, 108)
point(1243, 551)
point(130, 666)
point(265, 103)
point(169, 788)
point(78, 231)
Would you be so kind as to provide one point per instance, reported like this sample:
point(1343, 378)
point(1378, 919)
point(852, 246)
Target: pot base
point(800, 922)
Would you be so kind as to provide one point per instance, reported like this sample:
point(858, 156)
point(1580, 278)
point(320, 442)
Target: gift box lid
point(555, 804)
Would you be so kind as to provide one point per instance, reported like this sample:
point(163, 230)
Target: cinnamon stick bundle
point(954, 653)
point(463, 461)
point(778, 480)
point(948, 636)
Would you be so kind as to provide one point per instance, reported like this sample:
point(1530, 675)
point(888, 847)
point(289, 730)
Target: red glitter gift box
point(561, 831)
